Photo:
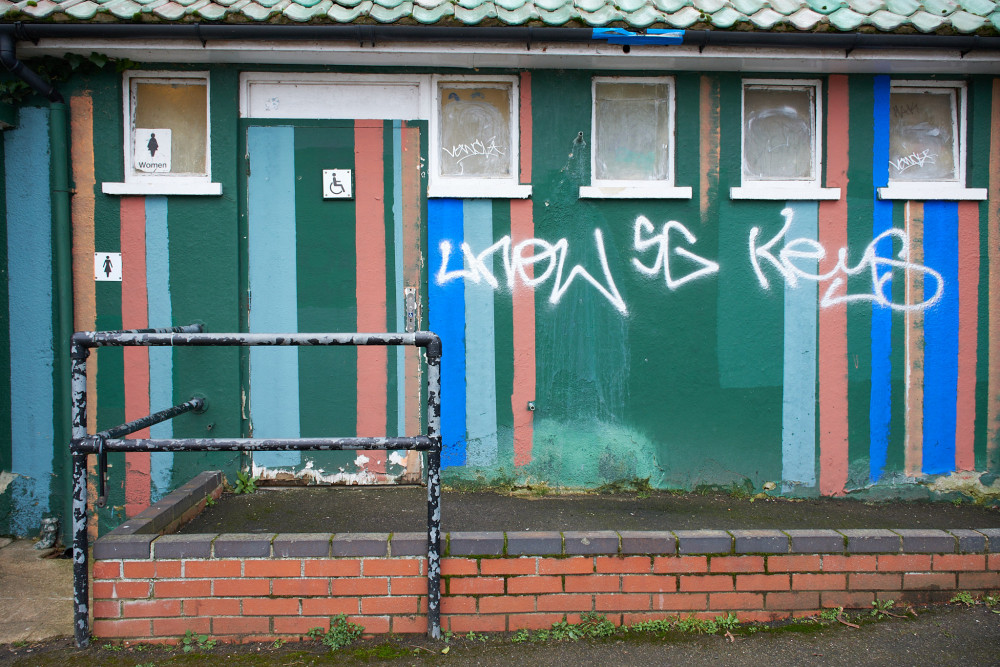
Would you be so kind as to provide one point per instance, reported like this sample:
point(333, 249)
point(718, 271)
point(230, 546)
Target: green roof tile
point(606, 15)
point(979, 7)
point(966, 22)
point(765, 18)
point(885, 20)
point(511, 5)
point(995, 20)
point(866, 7)
point(643, 18)
point(82, 11)
point(124, 9)
point(824, 6)
point(212, 12)
point(255, 12)
point(940, 7)
point(786, 7)
point(726, 18)
point(42, 9)
point(561, 16)
point(846, 19)
point(748, 7)
point(712, 6)
point(902, 7)
point(629, 6)
point(551, 5)
point(670, 6)
point(684, 18)
point(301, 14)
point(391, 14)
point(466, 4)
point(584, 5)
point(522, 14)
point(806, 19)
point(925, 21)
point(342, 14)
point(170, 11)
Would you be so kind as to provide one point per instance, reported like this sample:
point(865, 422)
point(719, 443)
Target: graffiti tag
point(913, 160)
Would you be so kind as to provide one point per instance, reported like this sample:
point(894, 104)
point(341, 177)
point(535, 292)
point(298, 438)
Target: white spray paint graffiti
point(778, 253)
point(804, 248)
point(515, 262)
point(643, 225)
point(913, 160)
point(488, 148)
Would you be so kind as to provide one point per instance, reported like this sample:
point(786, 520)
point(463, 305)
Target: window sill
point(480, 188)
point(172, 186)
point(783, 192)
point(917, 191)
point(639, 191)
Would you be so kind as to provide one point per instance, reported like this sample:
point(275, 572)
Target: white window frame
point(602, 188)
point(798, 189)
point(952, 189)
point(508, 187)
point(163, 184)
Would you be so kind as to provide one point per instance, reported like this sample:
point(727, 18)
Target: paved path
point(36, 594)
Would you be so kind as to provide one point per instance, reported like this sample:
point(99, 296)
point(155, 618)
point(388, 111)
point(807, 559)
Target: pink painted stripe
point(370, 270)
point(134, 316)
point(913, 448)
point(832, 371)
point(524, 121)
point(522, 228)
point(968, 328)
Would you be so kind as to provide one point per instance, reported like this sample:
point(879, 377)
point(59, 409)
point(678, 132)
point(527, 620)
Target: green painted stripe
point(6, 453)
point(325, 233)
point(978, 141)
point(503, 322)
point(395, 406)
point(859, 235)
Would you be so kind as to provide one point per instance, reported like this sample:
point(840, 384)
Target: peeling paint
point(313, 476)
point(6, 479)
point(975, 484)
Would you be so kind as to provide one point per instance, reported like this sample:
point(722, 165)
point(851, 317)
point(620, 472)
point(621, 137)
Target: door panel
point(315, 264)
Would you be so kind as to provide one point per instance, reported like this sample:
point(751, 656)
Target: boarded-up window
point(779, 133)
point(923, 143)
point(170, 126)
point(633, 131)
point(475, 130)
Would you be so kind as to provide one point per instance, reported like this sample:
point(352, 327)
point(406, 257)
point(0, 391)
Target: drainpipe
point(62, 260)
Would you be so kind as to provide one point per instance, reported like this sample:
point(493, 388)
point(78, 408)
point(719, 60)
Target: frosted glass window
point(475, 130)
point(181, 107)
point(922, 135)
point(779, 133)
point(632, 131)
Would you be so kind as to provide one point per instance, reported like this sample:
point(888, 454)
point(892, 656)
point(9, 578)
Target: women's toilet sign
point(151, 153)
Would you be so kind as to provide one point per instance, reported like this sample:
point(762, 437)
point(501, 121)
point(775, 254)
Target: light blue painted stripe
point(798, 420)
point(941, 338)
point(397, 227)
point(880, 405)
point(274, 372)
point(29, 270)
point(481, 386)
point(161, 359)
point(446, 304)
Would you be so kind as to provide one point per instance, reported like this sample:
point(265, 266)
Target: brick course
point(239, 599)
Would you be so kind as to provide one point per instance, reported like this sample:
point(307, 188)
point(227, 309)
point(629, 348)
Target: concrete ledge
point(123, 546)
point(586, 542)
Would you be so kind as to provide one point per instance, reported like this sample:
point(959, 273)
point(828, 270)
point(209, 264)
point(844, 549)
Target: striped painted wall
point(703, 370)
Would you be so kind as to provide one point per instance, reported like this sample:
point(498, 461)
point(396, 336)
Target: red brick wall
point(263, 599)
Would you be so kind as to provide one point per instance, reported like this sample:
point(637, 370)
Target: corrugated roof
point(926, 16)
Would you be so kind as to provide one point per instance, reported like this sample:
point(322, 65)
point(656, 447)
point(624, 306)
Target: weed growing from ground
point(341, 633)
point(245, 483)
point(882, 608)
point(190, 641)
point(963, 597)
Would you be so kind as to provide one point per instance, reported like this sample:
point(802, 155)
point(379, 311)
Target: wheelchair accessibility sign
point(338, 184)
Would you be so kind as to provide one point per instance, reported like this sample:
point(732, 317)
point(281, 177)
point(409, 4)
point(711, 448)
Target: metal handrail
point(82, 444)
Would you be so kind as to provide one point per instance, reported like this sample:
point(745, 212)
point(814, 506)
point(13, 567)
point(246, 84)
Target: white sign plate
point(338, 184)
point(151, 153)
point(108, 266)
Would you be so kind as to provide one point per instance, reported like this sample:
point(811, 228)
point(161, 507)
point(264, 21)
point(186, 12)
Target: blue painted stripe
point(274, 372)
point(880, 406)
point(29, 270)
point(397, 230)
point(941, 338)
point(798, 417)
point(447, 319)
point(651, 36)
point(161, 359)
point(481, 389)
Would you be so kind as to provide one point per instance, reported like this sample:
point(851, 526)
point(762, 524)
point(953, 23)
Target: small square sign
point(338, 184)
point(108, 266)
point(151, 153)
